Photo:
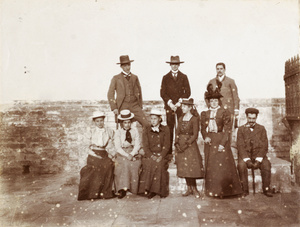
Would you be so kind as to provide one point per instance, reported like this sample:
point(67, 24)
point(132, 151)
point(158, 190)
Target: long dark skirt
point(96, 179)
point(154, 177)
point(189, 162)
point(221, 178)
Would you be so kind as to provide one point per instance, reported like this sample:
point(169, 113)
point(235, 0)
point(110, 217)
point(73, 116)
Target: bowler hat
point(187, 101)
point(97, 114)
point(124, 59)
point(125, 115)
point(175, 60)
point(252, 111)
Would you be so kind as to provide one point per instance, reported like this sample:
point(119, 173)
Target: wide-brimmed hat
point(252, 110)
point(156, 112)
point(97, 114)
point(175, 60)
point(124, 59)
point(125, 115)
point(189, 101)
point(212, 93)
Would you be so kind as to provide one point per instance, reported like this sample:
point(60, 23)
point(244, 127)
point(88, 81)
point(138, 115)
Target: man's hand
point(236, 112)
point(249, 164)
point(178, 104)
point(256, 164)
point(116, 112)
point(207, 140)
point(221, 148)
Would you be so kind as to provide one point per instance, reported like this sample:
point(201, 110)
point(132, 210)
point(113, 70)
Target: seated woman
point(154, 179)
point(128, 160)
point(96, 178)
point(187, 156)
point(221, 178)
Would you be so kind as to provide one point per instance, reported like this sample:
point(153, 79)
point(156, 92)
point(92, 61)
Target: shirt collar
point(214, 109)
point(221, 78)
point(126, 74)
point(174, 72)
point(155, 129)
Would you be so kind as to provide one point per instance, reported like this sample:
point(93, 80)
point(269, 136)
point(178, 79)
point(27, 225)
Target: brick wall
point(51, 136)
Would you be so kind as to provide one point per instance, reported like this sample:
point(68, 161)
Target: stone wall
point(49, 137)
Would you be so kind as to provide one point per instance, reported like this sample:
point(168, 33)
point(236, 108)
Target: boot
point(195, 191)
point(188, 192)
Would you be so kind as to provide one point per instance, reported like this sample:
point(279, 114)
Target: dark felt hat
point(175, 60)
point(188, 101)
point(124, 59)
point(252, 111)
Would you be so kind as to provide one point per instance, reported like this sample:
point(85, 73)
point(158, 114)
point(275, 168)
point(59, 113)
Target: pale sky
point(69, 48)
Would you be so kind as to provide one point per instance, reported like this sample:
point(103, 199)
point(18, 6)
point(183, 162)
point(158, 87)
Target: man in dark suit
point(252, 143)
point(174, 86)
point(228, 90)
point(127, 88)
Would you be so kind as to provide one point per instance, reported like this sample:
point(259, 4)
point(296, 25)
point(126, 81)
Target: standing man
point(228, 90)
point(252, 143)
point(174, 86)
point(128, 92)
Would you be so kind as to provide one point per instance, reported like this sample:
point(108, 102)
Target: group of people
point(123, 160)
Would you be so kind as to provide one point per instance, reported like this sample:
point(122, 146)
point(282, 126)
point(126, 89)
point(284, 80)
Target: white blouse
point(120, 142)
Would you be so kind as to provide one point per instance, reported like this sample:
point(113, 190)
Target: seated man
point(252, 143)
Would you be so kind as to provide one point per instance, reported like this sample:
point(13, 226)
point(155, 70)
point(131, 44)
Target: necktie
point(128, 136)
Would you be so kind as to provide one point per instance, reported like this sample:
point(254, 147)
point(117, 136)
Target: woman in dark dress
point(154, 179)
point(96, 178)
point(187, 156)
point(221, 178)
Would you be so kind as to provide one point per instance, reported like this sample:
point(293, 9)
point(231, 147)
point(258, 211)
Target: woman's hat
point(155, 112)
point(187, 101)
point(125, 115)
point(175, 60)
point(97, 114)
point(124, 59)
point(211, 93)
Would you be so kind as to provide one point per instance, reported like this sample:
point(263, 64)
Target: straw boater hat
point(155, 112)
point(187, 101)
point(125, 115)
point(124, 59)
point(211, 93)
point(98, 114)
point(175, 60)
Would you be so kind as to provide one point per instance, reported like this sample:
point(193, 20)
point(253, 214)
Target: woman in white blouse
point(96, 178)
point(128, 159)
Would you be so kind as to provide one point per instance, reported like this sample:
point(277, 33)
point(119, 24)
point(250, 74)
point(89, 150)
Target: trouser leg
point(243, 173)
point(137, 111)
point(171, 124)
point(265, 169)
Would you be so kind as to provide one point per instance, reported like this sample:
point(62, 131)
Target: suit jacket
point(164, 137)
point(230, 99)
point(174, 90)
point(117, 86)
point(223, 121)
point(259, 138)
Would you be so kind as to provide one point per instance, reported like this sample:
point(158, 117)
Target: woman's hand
point(129, 157)
point(221, 148)
point(207, 140)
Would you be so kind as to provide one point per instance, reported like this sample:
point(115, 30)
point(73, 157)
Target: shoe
point(151, 195)
point(245, 193)
point(195, 191)
point(268, 194)
point(122, 194)
point(188, 192)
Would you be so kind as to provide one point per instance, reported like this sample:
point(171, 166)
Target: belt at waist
point(102, 153)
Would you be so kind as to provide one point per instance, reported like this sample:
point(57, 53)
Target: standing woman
point(127, 166)
point(96, 178)
point(187, 156)
point(221, 178)
point(154, 179)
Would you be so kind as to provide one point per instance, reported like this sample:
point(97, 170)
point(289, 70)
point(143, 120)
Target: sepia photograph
point(158, 113)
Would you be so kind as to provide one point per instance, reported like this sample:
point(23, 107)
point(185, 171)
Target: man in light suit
point(228, 90)
point(252, 143)
point(125, 92)
point(174, 86)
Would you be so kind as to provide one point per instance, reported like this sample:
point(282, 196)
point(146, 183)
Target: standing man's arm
point(139, 92)
point(111, 95)
point(187, 88)
point(235, 96)
point(163, 91)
